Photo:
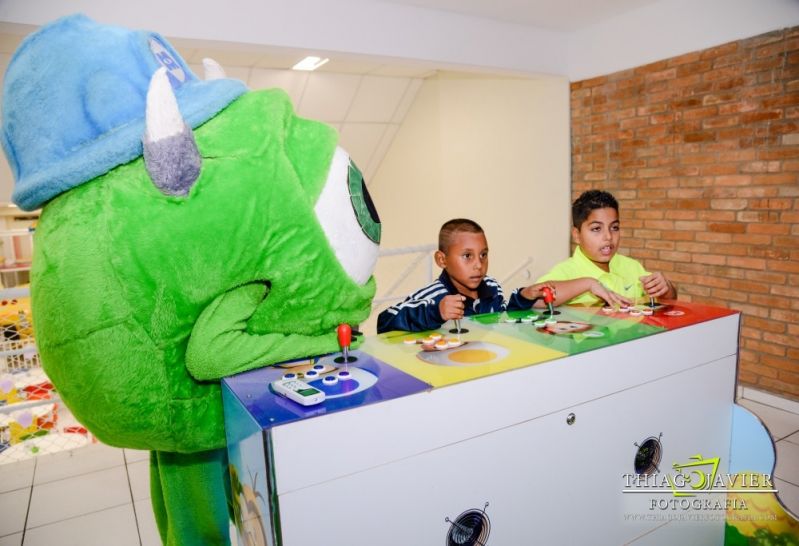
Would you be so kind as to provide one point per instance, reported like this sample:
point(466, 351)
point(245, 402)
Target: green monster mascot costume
point(190, 230)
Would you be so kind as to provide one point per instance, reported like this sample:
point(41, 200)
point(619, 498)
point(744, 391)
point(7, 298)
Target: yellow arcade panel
point(440, 357)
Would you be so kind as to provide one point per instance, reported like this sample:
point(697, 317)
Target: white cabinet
point(393, 472)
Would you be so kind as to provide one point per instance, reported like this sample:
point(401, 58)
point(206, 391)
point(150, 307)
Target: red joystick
point(344, 336)
point(549, 297)
point(344, 339)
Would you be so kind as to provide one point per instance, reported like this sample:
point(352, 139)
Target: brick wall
point(702, 152)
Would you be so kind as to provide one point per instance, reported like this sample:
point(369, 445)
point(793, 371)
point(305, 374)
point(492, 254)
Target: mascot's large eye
point(362, 203)
point(349, 218)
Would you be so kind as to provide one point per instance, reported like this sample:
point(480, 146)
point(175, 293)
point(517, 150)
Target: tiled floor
point(92, 495)
point(98, 495)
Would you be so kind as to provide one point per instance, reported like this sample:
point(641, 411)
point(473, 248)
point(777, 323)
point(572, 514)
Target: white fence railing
point(16, 249)
point(421, 254)
point(524, 266)
point(33, 420)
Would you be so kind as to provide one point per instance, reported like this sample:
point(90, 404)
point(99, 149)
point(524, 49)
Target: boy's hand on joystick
point(535, 291)
point(549, 297)
point(451, 307)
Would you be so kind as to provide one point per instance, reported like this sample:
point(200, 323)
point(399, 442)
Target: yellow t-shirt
point(623, 277)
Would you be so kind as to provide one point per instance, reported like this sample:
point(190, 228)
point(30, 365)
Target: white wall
point(492, 149)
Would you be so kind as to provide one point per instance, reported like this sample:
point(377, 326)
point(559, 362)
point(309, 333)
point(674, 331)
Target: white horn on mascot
point(170, 152)
point(213, 70)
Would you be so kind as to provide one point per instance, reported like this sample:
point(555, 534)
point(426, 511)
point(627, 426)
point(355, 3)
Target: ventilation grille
point(648, 455)
point(471, 528)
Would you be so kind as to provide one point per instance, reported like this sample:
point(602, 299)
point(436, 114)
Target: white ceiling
point(577, 39)
point(564, 15)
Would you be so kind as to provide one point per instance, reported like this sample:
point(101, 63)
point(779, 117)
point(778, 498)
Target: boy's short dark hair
point(456, 225)
point(591, 200)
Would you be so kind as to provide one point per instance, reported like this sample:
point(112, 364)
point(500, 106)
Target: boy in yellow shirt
point(595, 272)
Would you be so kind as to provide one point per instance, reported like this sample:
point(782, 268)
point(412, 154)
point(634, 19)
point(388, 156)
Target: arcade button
point(311, 374)
point(520, 320)
point(330, 380)
point(290, 375)
point(344, 375)
point(319, 367)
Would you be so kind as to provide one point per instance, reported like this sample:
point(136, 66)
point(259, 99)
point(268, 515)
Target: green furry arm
point(220, 344)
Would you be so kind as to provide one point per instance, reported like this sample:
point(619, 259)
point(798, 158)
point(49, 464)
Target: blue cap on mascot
point(74, 99)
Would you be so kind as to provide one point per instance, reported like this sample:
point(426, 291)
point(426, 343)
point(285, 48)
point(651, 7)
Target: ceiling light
point(309, 63)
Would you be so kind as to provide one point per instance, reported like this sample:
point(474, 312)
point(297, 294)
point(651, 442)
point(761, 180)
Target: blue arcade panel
point(368, 380)
point(252, 408)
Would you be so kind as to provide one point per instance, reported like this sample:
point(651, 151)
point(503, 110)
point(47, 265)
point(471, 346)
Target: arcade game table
point(570, 426)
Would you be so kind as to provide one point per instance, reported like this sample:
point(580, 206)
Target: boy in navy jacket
point(463, 288)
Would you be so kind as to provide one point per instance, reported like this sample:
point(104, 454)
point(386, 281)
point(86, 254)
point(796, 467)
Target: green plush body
point(144, 301)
